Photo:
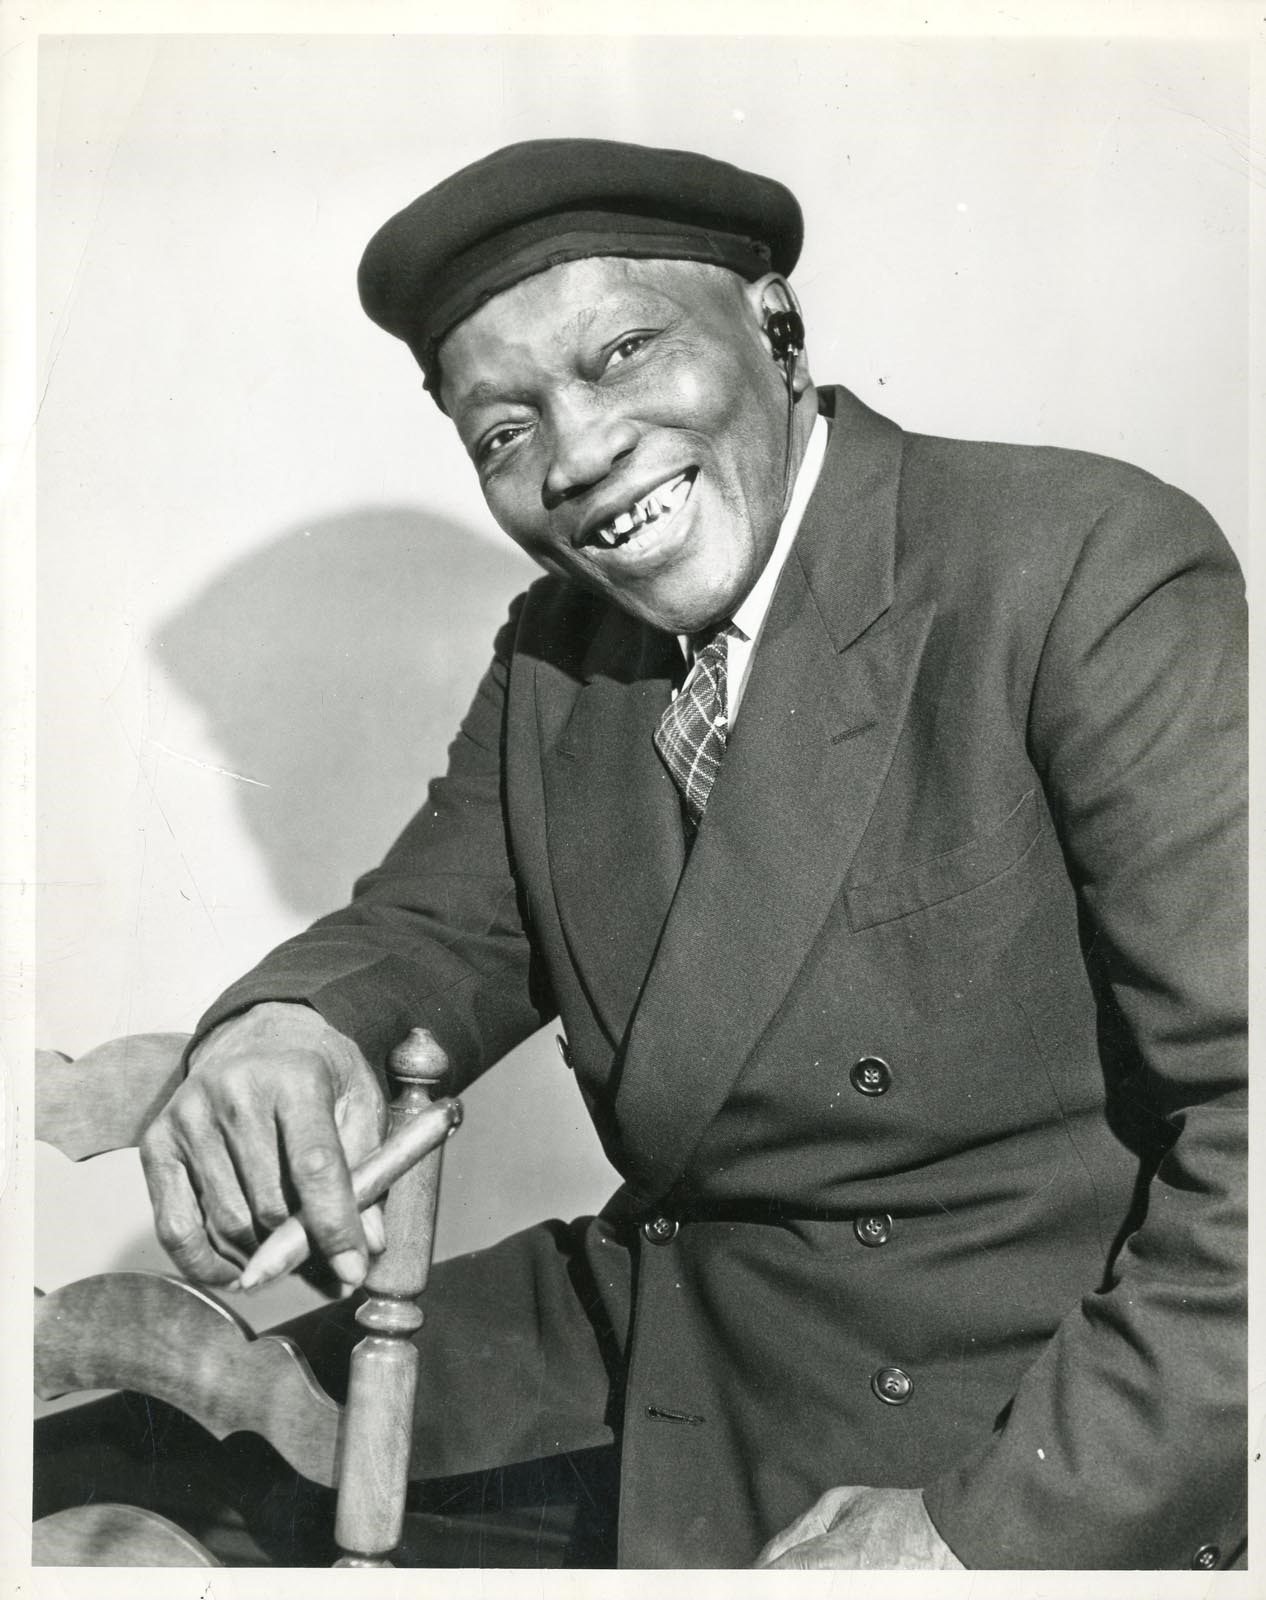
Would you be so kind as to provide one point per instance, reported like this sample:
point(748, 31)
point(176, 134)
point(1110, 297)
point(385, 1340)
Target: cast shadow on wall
point(333, 666)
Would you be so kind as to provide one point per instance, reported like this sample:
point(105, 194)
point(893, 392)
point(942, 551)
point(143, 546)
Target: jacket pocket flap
point(927, 883)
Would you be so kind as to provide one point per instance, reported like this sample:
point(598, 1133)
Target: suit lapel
point(824, 705)
point(614, 828)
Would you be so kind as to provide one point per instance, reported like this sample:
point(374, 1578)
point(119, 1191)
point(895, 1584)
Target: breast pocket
point(944, 877)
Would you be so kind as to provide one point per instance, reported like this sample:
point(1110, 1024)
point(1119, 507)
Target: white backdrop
point(266, 580)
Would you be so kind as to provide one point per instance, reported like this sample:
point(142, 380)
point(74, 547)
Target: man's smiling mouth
point(658, 503)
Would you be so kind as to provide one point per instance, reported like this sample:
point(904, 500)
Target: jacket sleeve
point(434, 936)
point(1124, 1445)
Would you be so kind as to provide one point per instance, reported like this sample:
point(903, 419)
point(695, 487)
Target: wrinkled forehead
point(557, 312)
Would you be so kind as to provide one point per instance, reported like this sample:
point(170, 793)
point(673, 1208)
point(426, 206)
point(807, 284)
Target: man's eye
point(495, 443)
point(627, 347)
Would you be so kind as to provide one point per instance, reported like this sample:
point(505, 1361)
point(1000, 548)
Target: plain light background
point(267, 584)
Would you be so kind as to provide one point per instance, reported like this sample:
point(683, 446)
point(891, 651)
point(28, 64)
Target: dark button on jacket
point(892, 1386)
point(1206, 1558)
point(873, 1230)
point(659, 1230)
point(871, 1075)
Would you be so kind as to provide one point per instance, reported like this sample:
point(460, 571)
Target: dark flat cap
point(531, 206)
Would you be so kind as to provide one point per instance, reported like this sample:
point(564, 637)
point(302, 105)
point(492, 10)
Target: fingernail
point(350, 1266)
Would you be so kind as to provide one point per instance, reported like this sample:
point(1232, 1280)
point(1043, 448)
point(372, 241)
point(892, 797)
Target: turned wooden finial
point(420, 1058)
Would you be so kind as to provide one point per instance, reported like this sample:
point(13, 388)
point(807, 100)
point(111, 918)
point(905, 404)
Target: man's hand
point(862, 1529)
point(276, 1106)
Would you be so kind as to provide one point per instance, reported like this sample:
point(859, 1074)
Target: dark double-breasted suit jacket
point(923, 1065)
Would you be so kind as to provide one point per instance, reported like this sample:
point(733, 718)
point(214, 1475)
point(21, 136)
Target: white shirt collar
point(750, 614)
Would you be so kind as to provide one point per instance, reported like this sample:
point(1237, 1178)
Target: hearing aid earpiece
point(785, 332)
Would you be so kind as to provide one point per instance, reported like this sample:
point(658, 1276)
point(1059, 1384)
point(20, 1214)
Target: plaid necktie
point(691, 733)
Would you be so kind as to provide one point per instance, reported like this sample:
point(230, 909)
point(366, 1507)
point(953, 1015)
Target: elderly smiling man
point(868, 808)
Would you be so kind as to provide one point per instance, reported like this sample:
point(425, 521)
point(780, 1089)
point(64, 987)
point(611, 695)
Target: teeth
point(660, 502)
point(669, 496)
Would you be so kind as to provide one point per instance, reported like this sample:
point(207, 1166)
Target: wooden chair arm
point(178, 1343)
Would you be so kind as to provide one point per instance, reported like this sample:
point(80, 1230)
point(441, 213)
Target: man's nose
point(587, 441)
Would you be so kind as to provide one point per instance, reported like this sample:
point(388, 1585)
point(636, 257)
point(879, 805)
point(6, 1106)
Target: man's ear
point(767, 297)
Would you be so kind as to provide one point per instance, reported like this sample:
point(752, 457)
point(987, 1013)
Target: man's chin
point(676, 601)
point(675, 614)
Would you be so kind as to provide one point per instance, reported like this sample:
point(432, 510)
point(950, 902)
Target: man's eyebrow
point(635, 302)
point(483, 393)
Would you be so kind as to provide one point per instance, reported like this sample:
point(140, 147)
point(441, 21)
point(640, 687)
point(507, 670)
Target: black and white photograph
point(627, 853)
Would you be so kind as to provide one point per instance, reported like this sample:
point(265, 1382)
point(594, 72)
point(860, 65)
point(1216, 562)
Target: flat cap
point(533, 205)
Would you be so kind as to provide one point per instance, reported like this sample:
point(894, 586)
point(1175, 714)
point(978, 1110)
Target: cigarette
point(288, 1246)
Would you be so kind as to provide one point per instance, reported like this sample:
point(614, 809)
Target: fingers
point(360, 1108)
point(232, 1164)
point(252, 1144)
point(225, 1209)
point(371, 1219)
point(781, 1543)
point(797, 1559)
point(202, 1217)
point(804, 1527)
point(178, 1218)
point(793, 1547)
point(275, 1106)
point(318, 1169)
point(862, 1529)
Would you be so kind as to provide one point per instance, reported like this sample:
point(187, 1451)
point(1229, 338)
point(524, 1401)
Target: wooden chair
point(183, 1345)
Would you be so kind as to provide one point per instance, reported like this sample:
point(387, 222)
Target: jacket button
point(873, 1230)
point(892, 1386)
point(1206, 1558)
point(659, 1230)
point(871, 1075)
point(564, 1049)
